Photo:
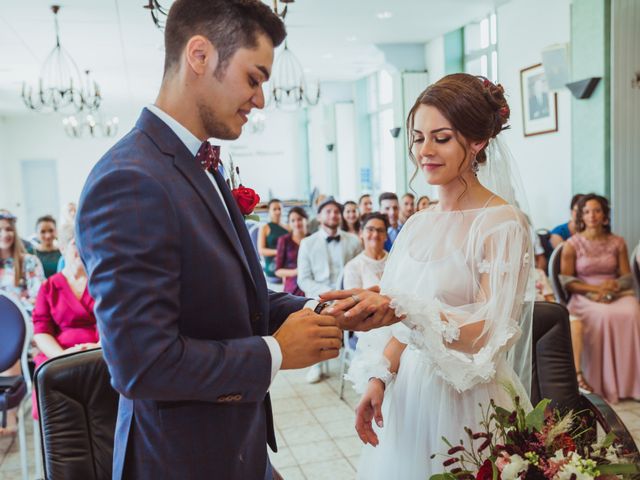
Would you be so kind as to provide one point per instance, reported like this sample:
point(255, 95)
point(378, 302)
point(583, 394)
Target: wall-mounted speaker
point(583, 88)
point(330, 147)
point(395, 132)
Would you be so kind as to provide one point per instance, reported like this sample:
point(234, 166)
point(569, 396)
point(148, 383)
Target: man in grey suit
point(191, 334)
point(322, 257)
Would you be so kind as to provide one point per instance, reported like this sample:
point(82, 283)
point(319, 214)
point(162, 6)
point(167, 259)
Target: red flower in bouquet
point(486, 471)
point(246, 198)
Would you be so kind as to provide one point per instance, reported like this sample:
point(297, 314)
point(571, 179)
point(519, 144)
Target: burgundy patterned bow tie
point(208, 155)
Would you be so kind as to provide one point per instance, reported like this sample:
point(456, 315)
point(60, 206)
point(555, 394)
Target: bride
point(459, 277)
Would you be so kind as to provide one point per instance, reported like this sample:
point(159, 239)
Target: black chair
point(78, 410)
point(545, 240)
point(554, 375)
point(562, 296)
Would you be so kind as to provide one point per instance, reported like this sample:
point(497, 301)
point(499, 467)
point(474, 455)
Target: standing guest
point(423, 203)
point(63, 318)
point(562, 232)
point(46, 249)
point(596, 271)
point(21, 275)
point(389, 206)
point(350, 218)
point(408, 207)
point(365, 204)
point(322, 257)
point(365, 270)
point(269, 235)
point(288, 245)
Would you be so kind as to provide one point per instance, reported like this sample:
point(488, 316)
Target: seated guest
point(288, 245)
point(269, 235)
point(63, 318)
point(21, 275)
point(408, 207)
point(423, 203)
point(389, 206)
point(322, 257)
point(350, 218)
point(562, 232)
point(365, 204)
point(595, 270)
point(46, 250)
point(365, 270)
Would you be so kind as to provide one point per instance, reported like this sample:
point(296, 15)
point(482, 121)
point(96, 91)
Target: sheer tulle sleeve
point(462, 326)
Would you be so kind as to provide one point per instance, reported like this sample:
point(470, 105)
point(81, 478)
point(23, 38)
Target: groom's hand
point(360, 310)
point(306, 338)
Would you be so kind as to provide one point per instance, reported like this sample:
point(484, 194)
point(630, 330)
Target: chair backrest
point(13, 331)
point(635, 269)
point(554, 373)
point(554, 275)
point(78, 410)
point(545, 240)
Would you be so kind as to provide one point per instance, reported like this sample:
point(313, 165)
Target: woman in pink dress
point(63, 318)
point(595, 266)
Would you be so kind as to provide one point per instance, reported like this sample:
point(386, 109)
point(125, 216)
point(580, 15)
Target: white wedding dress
point(466, 267)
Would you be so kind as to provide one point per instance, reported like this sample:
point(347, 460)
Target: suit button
point(237, 398)
point(257, 317)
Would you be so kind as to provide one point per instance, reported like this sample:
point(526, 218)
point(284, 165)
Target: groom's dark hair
point(228, 24)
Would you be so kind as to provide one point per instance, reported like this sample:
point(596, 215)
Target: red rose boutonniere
point(245, 197)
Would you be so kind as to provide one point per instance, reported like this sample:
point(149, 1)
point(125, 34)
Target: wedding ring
point(608, 296)
point(356, 298)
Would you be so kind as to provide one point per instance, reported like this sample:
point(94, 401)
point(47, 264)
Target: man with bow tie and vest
point(191, 334)
point(322, 257)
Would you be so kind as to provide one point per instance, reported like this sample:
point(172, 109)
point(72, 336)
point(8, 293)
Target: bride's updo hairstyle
point(475, 107)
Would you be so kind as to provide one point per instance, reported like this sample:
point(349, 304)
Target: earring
point(475, 166)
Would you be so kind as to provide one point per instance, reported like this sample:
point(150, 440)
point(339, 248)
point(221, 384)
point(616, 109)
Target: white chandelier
point(289, 89)
point(61, 86)
point(90, 124)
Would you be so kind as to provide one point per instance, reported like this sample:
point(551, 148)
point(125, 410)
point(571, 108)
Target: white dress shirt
point(193, 145)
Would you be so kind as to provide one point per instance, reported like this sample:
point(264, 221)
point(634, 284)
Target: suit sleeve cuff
point(276, 355)
point(311, 304)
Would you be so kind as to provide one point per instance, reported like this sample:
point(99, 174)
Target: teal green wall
point(590, 131)
point(454, 51)
point(305, 170)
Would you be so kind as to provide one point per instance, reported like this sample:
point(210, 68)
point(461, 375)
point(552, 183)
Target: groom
point(191, 335)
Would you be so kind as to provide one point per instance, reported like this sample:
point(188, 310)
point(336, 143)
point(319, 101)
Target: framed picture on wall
point(539, 104)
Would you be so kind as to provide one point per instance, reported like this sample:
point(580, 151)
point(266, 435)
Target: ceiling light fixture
point(158, 13)
point(288, 85)
point(61, 85)
point(92, 124)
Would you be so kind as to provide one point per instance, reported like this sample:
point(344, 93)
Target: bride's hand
point(370, 408)
point(360, 310)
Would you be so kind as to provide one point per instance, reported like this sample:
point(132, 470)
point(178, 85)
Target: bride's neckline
point(468, 209)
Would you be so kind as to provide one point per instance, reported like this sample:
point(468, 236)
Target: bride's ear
point(477, 146)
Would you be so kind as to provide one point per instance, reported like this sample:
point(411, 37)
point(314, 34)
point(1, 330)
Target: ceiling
point(117, 41)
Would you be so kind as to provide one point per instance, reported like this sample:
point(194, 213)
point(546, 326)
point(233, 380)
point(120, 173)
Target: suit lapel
point(194, 174)
point(168, 142)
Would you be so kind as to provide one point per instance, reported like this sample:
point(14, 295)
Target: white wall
point(524, 29)
point(434, 58)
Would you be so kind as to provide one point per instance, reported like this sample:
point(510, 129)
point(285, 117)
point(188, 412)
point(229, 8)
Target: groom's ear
point(201, 56)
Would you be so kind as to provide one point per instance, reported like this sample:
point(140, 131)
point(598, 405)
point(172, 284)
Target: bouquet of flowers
point(538, 445)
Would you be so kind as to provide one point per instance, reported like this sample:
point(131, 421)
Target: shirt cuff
point(276, 356)
point(311, 304)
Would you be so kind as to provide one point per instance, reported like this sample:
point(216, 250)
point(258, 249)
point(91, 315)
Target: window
point(480, 48)
point(380, 86)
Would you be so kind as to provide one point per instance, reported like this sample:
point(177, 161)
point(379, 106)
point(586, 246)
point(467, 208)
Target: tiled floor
point(314, 429)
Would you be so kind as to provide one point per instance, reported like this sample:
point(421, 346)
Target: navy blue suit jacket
point(181, 303)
